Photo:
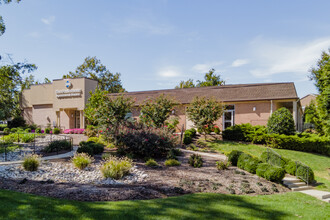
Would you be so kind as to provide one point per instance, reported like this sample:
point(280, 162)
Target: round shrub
point(13, 130)
point(193, 132)
point(28, 130)
point(262, 168)
point(38, 130)
point(90, 147)
point(233, 157)
point(290, 167)
point(31, 162)
point(281, 122)
point(81, 160)
point(221, 165)
point(187, 139)
point(56, 131)
point(248, 163)
point(116, 168)
point(27, 138)
point(86, 149)
point(47, 130)
point(172, 162)
point(305, 173)
point(151, 163)
point(6, 130)
point(195, 160)
point(58, 146)
point(274, 174)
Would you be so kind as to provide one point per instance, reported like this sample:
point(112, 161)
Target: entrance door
point(228, 118)
point(77, 119)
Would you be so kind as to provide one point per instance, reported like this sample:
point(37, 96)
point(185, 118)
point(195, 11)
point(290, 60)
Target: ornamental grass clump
point(116, 168)
point(222, 165)
point(172, 162)
point(82, 160)
point(195, 160)
point(152, 163)
point(31, 162)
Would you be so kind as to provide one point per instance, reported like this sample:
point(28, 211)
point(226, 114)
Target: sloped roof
point(225, 93)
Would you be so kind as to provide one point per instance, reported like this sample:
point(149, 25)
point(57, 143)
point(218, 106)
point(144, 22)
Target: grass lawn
point(14, 205)
point(319, 163)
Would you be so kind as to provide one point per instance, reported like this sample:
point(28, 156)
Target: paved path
point(214, 155)
point(59, 156)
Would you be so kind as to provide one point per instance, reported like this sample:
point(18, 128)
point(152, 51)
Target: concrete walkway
point(59, 156)
point(296, 184)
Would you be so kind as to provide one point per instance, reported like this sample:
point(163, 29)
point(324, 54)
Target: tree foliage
point(2, 23)
point(94, 69)
point(321, 76)
point(155, 112)
point(281, 122)
point(203, 112)
point(311, 116)
point(210, 79)
point(11, 84)
point(97, 100)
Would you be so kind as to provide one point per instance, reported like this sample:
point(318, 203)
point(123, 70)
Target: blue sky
point(154, 44)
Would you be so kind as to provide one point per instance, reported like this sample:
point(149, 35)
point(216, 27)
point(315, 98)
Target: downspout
point(271, 107)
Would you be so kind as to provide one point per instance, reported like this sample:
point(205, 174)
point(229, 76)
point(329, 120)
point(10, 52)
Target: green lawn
point(319, 163)
point(15, 205)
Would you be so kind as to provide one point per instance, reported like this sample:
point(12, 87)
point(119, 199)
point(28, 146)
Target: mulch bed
point(161, 182)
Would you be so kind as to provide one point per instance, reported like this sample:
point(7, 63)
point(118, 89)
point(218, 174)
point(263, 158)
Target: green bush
point(269, 172)
point(116, 168)
point(290, 167)
point(47, 130)
point(221, 165)
point(152, 163)
point(31, 162)
point(58, 146)
point(281, 122)
point(90, 147)
point(172, 162)
point(17, 122)
point(192, 147)
point(27, 138)
point(6, 130)
point(13, 130)
point(233, 157)
point(173, 153)
point(217, 130)
point(38, 130)
point(273, 158)
point(81, 160)
point(305, 173)
point(187, 139)
point(248, 163)
point(195, 160)
point(28, 130)
point(193, 132)
point(56, 131)
point(98, 140)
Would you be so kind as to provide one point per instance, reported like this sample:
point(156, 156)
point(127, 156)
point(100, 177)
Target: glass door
point(228, 118)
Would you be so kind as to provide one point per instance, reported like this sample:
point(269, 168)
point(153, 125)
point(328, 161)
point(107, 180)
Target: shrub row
point(90, 147)
point(59, 145)
point(269, 172)
point(257, 134)
point(248, 163)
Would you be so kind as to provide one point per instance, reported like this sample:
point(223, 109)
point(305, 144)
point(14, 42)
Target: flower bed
point(74, 131)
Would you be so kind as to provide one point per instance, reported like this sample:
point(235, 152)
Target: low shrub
point(248, 163)
point(192, 147)
point(187, 139)
point(81, 160)
point(216, 130)
point(98, 140)
point(116, 168)
point(172, 162)
point(13, 130)
point(56, 131)
point(222, 165)
point(233, 157)
point(38, 130)
point(58, 146)
point(290, 167)
point(18, 121)
point(27, 138)
point(6, 130)
point(273, 158)
point(281, 122)
point(47, 130)
point(173, 153)
point(28, 130)
point(31, 162)
point(193, 132)
point(90, 147)
point(195, 160)
point(152, 163)
point(304, 172)
point(145, 142)
point(271, 173)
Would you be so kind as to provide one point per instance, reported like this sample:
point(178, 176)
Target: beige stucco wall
point(43, 115)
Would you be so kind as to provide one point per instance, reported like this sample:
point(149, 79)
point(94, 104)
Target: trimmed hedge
point(305, 173)
point(233, 157)
point(248, 163)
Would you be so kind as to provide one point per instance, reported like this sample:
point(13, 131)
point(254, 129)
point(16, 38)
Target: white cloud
point(49, 20)
point(205, 67)
point(169, 72)
point(239, 62)
point(135, 25)
point(279, 57)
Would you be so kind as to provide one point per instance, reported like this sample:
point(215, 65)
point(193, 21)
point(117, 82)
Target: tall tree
point(211, 79)
point(93, 68)
point(186, 84)
point(2, 23)
point(311, 116)
point(321, 76)
point(97, 100)
point(11, 84)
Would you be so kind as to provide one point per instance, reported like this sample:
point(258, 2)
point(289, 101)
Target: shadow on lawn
point(196, 206)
